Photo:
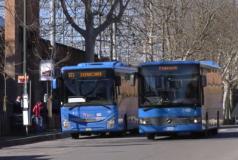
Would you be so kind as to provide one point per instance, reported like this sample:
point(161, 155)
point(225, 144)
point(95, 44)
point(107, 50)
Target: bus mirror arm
point(54, 84)
point(118, 90)
point(118, 80)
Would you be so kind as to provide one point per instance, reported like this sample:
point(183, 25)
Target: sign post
point(23, 79)
point(46, 74)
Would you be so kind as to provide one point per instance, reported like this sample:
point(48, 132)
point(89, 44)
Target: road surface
point(224, 146)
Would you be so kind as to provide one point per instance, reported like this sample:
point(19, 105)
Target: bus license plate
point(88, 129)
point(169, 128)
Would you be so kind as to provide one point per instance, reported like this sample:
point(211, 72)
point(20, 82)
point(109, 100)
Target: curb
point(32, 139)
point(228, 126)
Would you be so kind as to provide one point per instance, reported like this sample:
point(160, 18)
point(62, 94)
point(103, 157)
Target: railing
point(4, 124)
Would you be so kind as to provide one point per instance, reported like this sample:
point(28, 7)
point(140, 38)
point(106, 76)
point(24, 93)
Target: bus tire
point(198, 134)
point(214, 131)
point(125, 123)
point(151, 136)
point(75, 135)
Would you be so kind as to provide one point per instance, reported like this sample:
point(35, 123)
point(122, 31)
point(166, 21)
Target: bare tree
point(225, 44)
point(199, 30)
point(112, 10)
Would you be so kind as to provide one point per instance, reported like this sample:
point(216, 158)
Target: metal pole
point(30, 94)
point(52, 35)
point(24, 45)
point(52, 42)
point(24, 61)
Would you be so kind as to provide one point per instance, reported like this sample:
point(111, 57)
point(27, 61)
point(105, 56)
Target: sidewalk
point(7, 141)
point(229, 126)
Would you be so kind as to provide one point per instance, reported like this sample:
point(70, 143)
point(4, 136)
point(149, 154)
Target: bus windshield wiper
point(80, 105)
point(74, 106)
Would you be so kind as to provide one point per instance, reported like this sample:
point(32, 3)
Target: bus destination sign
point(92, 74)
point(85, 74)
point(168, 68)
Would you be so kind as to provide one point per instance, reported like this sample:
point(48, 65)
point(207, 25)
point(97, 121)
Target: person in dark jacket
point(17, 108)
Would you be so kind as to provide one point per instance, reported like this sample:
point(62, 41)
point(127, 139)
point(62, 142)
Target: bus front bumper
point(144, 129)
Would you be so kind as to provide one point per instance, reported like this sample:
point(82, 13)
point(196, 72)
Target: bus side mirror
point(204, 81)
point(118, 80)
point(54, 84)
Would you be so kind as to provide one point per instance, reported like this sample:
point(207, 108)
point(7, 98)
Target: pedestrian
point(16, 117)
point(17, 108)
point(37, 115)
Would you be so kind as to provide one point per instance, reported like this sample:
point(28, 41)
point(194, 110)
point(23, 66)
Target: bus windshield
point(169, 88)
point(82, 87)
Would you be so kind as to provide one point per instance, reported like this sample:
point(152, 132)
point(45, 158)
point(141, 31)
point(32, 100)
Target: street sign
point(25, 102)
point(46, 70)
point(22, 79)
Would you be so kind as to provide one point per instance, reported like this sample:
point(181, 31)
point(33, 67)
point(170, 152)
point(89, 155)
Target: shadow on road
point(227, 135)
point(110, 136)
point(220, 135)
point(34, 157)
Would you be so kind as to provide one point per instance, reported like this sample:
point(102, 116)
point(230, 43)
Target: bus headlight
point(143, 121)
point(196, 120)
point(111, 123)
point(66, 123)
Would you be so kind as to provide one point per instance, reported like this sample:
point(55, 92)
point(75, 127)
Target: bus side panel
point(128, 105)
point(212, 111)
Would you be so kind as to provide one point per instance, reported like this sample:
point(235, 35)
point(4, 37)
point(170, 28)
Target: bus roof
point(205, 64)
point(116, 65)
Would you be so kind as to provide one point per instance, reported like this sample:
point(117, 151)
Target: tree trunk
point(90, 42)
point(226, 101)
point(231, 102)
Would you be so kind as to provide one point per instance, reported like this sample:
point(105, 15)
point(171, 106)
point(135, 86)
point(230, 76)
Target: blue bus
point(98, 98)
point(179, 97)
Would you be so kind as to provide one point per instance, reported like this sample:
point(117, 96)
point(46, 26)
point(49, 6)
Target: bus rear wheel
point(151, 136)
point(75, 135)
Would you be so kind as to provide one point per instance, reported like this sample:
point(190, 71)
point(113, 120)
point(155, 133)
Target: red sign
point(22, 79)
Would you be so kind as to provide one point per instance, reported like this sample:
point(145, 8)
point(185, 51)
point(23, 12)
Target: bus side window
point(204, 84)
point(204, 81)
point(132, 79)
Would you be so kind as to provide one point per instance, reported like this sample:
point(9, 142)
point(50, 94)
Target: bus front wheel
point(75, 135)
point(151, 136)
point(125, 123)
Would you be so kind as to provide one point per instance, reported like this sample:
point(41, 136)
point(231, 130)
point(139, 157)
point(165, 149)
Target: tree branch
point(111, 17)
point(70, 19)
